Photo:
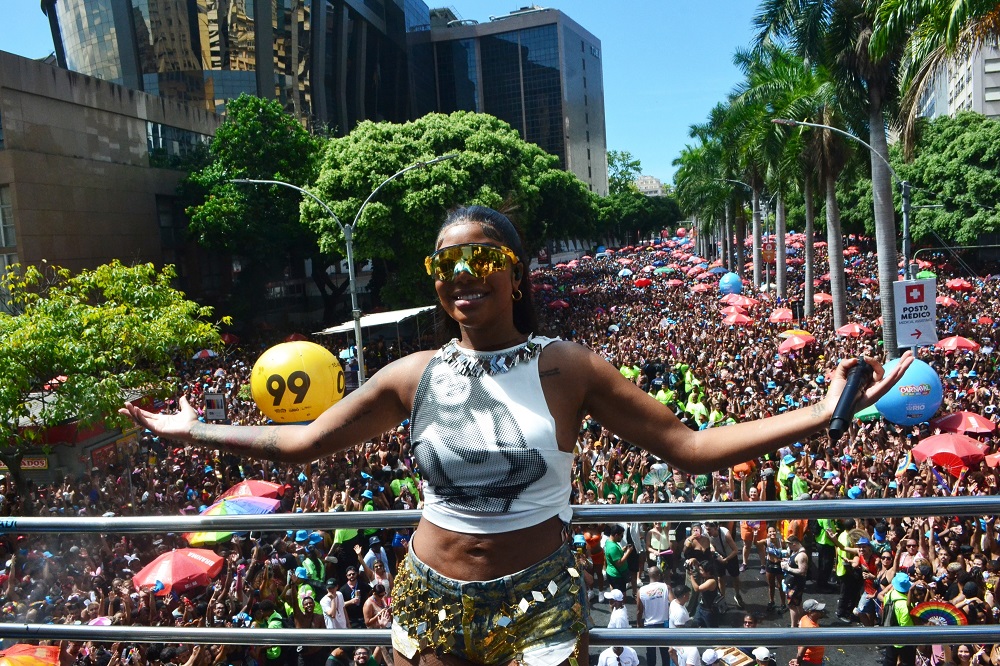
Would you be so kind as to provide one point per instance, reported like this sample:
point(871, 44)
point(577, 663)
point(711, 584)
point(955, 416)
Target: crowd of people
point(672, 342)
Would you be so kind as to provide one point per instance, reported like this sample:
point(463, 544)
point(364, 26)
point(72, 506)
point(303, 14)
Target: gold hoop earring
point(517, 295)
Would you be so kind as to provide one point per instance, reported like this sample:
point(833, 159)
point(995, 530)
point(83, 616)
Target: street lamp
point(348, 232)
point(888, 317)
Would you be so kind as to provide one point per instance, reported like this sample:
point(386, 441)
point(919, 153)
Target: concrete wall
point(76, 160)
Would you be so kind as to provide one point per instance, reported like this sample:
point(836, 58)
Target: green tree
point(258, 224)
point(957, 166)
point(623, 169)
point(112, 331)
point(494, 167)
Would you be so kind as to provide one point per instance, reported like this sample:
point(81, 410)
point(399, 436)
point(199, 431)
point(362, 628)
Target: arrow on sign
point(916, 334)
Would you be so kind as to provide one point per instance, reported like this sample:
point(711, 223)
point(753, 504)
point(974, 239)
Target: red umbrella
point(853, 330)
point(674, 282)
point(254, 488)
point(793, 342)
point(958, 284)
point(578, 290)
point(643, 282)
point(965, 422)
point(732, 309)
point(956, 342)
point(741, 301)
point(178, 571)
point(558, 305)
point(295, 337)
point(985, 321)
point(698, 288)
point(230, 339)
point(950, 451)
point(781, 316)
point(822, 297)
point(737, 320)
point(946, 301)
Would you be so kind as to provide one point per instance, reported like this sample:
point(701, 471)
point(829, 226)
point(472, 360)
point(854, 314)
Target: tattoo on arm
point(817, 410)
point(337, 429)
point(549, 373)
point(254, 441)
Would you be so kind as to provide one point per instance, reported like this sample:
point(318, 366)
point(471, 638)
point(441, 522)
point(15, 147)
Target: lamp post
point(888, 314)
point(348, 231)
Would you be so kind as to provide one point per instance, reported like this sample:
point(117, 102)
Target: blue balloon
point(730, 283)
point(915, 398)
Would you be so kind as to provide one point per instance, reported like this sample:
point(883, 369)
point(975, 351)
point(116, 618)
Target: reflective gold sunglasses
point(475, 259)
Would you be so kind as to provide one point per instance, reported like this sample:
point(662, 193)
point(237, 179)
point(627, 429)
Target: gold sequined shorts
point(535, 616)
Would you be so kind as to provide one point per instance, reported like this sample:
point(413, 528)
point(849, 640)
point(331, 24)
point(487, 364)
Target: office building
point(970, 83)
point(86, 174)
point(536, 69)
point(649, 186)
point(332, 63)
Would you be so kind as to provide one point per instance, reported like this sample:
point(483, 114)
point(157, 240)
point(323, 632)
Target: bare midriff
point(476, 557)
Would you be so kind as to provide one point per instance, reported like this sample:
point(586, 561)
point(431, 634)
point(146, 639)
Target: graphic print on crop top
point(468, 444)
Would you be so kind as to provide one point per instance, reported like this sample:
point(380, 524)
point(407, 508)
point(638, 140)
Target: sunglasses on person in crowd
point(476, 259)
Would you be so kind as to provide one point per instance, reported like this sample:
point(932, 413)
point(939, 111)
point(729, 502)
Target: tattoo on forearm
point(247, 441)
point(337, 429)
point(817, 410)
point(549, 373)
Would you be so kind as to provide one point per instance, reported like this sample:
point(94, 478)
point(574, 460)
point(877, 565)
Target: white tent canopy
point(377, 319)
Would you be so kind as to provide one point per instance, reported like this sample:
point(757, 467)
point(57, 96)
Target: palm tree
point(934, 31)
point(836, 34)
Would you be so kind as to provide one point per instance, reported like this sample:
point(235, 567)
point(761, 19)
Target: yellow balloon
point(296, 381)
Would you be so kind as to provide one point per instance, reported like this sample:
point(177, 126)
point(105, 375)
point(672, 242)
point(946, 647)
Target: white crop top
point(485, 441)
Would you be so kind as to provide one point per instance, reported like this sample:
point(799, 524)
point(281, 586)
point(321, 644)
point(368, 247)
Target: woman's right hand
point(174, 426)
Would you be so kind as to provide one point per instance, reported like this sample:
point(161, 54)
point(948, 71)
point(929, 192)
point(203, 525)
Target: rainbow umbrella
point(940, 613)
point(232, 506)
point(30, 655)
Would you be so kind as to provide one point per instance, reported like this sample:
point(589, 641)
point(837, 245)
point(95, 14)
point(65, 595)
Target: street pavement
point(755, 598)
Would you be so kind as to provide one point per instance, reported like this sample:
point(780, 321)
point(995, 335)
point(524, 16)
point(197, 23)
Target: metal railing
point(722, 511)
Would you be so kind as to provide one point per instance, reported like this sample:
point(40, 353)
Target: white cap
point(761, 653)
point(614, 595)
point(709, 656)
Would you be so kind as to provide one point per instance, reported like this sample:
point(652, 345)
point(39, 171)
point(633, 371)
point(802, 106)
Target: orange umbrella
point(737, 320)
point(853, 330)
point(965, 422)
point(781, 316)
point(698, 288)
point(822, 297)
point(30, 655)
point(732, 309)
point(795, 342)
point(957, 342)
point(178, 571)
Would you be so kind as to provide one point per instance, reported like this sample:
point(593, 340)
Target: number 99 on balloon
point(297, 381)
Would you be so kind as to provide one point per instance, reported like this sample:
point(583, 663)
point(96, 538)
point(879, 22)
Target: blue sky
point(666, 62)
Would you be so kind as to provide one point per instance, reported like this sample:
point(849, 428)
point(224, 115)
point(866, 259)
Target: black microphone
point(859, 377)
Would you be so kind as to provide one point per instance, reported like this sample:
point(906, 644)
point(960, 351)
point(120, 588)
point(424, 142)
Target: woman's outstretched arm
point(378, 405)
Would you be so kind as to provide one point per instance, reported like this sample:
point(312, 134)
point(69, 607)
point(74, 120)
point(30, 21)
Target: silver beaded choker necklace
point(476, 363)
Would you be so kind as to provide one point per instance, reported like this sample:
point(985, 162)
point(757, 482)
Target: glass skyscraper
point(330, 62)
point(537, 70)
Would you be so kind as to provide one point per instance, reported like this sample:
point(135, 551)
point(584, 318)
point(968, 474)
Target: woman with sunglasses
point(489, 577)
